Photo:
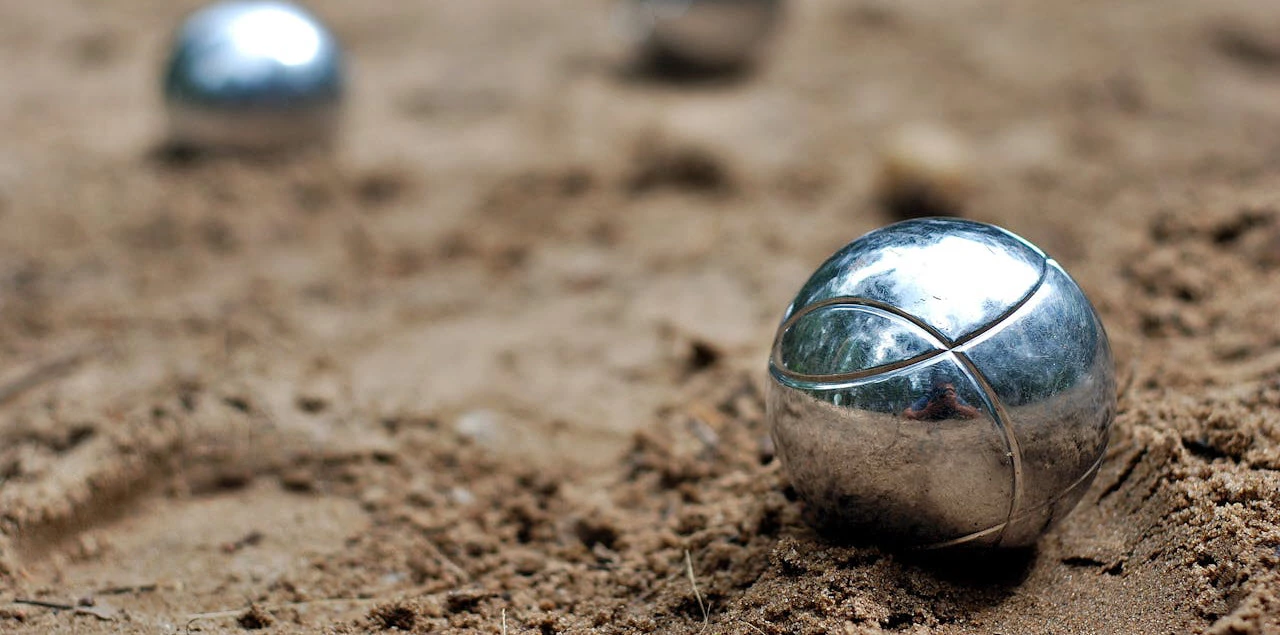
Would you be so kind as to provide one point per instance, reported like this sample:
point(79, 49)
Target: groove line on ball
point(999, 320)
point(1002, 421)
point(848, 380)
point(940, 339)
point(1089, 473)
point(968, 537)
point(940, 342)
point(935, 339)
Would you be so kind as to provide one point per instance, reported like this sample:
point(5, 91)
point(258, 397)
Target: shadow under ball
point(250, 75)
point(706, 35)
point(940, 382)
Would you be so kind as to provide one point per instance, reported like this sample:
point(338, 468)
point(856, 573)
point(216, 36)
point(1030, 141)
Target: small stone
point(481, 426)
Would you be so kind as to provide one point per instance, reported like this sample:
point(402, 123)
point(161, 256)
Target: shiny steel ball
point(707, 35)
point(940, 382)
point(253, 75)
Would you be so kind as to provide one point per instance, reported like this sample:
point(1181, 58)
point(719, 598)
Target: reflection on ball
point(253, 75)
point(704, 34)
point(941, 382)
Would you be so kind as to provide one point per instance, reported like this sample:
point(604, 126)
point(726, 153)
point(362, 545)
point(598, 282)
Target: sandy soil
point(496, 364)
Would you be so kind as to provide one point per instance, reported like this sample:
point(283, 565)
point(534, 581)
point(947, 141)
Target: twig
point(648, 595)
point(104, 613)
point(1126, 385)
point(448, 562)
point(754, 627)
point(252, 539)
point(123, 590)
point(57, 606)
point(1254, 368)
point(213, 614)
point(504, 621)
point(705, 433)
point(688, 567)
point(40, 373)
point(195, 617)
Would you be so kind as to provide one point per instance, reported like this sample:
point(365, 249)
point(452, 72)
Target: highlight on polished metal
point(707, 35)
point(941, 382)
point(253, 75)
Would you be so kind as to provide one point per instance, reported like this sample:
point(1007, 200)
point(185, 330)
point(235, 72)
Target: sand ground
point(495, 364)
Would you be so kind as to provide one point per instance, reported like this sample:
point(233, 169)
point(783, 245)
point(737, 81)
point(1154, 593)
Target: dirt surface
point(495, 364)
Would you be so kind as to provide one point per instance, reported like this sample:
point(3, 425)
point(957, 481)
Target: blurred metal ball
point(704, 34)
point(925, 170)
point(941, 382)
point(253, 75)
